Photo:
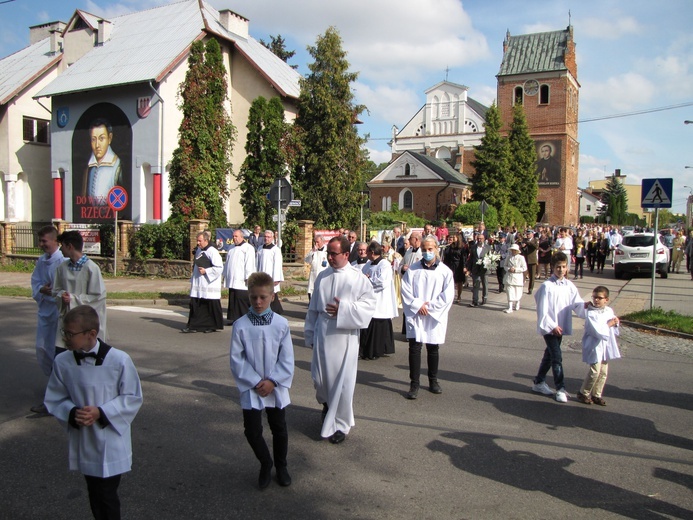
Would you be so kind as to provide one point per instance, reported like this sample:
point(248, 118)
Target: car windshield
point(638, 241)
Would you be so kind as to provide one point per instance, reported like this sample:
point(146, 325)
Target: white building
point(126, 70)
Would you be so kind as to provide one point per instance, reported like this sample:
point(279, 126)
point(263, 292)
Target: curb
point(657, 330)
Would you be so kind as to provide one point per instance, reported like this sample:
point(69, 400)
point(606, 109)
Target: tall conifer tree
point(492, 181)
point(616, 199)
point(329, 173)
point(265, 161)
point(201, 164)
point(523, 194)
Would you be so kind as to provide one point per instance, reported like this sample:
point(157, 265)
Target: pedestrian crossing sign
point(657, 193)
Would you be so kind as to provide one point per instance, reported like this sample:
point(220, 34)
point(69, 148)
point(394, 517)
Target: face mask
point(428, 256)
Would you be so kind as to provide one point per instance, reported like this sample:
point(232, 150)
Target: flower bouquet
point(490, 260)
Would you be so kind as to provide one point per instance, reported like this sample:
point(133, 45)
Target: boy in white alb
point(262, 363)
point(95, 393)
point(598, 346)
point(556, 300)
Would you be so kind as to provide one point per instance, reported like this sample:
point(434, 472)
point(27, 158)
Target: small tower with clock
point(539, 71)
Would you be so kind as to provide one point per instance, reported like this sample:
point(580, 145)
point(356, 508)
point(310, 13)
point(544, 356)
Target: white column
point(11, 183)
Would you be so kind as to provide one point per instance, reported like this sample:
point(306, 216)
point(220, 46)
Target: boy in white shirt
point(598, 346)
point(556, 300)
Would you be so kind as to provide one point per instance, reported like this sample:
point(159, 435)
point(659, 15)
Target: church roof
point(441, 168)
point(531, 53)
point(19, 70)
point(146, 45)
point(477, 107)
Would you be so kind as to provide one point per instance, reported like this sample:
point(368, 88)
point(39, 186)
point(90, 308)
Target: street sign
point(275, 219)
point(295, 203)
point(281, 193)
point(657, 193)
point(117, 198)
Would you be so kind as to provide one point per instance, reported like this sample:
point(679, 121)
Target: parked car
point(634, 255)
point(627, 230)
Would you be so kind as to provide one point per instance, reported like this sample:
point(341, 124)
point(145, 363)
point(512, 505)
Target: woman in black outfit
point(455, 257)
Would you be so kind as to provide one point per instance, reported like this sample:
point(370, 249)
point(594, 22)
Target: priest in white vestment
point(240, 264)
point(343, 302)
point(428, 290)
point(269, 260)
point(317, 260)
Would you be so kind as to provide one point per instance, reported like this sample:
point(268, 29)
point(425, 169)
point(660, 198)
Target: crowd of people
point(355, 290)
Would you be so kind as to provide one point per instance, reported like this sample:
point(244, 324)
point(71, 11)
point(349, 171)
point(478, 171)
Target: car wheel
point(618, 274)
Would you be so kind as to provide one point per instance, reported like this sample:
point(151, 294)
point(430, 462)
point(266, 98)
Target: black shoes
point(207, 331)
point(473, 304)
point(337, 437)
point(186, 330)
point(413, 392)
point(434, 387)
point(265, 476)
point(283, 477)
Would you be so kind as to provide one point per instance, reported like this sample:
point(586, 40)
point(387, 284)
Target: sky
point(635, 63)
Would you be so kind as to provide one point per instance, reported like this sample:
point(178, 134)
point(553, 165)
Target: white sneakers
point(542, 388)
point(508, 311)
point(561, 396)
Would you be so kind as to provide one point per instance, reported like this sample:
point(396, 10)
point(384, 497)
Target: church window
point(470, 126)
point(408, 200)
point(518, 96)
point(407, 169)
point(544, 95)
point(421, 130)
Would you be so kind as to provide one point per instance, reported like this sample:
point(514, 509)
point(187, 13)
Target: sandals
point(585, 399)
point(599, 401)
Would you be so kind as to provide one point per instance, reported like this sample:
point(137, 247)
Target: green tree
point(524, 191)
point(201, 164)
point(492, 181)
point(470, 214)
point(265, 161)
point(616, 199)
point(278, 48)
point(330, 169)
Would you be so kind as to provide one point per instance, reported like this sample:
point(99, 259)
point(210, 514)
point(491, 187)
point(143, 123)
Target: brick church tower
point(540, 71)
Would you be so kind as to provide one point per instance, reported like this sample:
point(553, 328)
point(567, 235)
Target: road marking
point(148, 310)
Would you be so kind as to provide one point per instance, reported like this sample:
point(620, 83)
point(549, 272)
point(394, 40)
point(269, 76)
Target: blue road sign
point(657, 193)
point(117, 198)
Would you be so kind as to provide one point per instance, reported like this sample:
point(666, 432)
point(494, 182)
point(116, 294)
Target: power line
point(592, 119)
point(6, 1)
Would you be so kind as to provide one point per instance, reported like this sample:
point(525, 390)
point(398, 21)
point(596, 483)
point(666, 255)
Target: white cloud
point(43, 16)
point(393, 40)
point(120, 8)
point(379, 156)
point(612, 27)
point(620, 93)
point(387, 104)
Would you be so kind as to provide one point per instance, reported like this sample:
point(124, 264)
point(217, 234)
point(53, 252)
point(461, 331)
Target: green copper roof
point(529, 53)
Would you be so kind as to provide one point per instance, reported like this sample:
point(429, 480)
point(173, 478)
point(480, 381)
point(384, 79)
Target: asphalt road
point(486, 448)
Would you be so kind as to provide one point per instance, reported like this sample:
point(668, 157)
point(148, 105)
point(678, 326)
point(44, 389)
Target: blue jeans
point(553, 359)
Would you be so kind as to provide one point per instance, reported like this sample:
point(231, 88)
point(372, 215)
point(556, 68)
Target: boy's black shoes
point(413, 392)
point(337, 437)
point(283, 477)
point(265, 476)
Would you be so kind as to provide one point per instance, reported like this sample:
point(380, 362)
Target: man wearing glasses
point(343, 302)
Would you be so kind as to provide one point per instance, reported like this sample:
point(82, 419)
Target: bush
point(395, 217)
point(167, 241)
point(469, 214)
point(587, 219)
point(107, 235)
point(515, 218)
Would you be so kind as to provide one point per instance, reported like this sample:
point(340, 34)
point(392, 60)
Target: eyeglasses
point(69, 335)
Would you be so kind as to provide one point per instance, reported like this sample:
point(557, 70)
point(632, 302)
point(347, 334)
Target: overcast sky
point(633, 56)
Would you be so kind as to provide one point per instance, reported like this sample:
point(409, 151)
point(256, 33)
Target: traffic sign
point(117, 198)
point(275, 218)
point(296, 203)
point(657, 193)
point(281, 193)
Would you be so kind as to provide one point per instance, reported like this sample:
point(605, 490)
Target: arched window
point(407, 169)
point(518, 96)
point(443, 153)
point(408, 200)
point(544, 95)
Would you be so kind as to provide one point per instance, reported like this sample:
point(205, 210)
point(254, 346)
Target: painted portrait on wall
point(101, 159)
point(548, 163)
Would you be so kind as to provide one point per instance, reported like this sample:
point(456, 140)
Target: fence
point(23, 236)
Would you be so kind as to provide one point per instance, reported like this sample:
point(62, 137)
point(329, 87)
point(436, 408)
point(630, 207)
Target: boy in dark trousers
point(95, 393)
point(262, 363)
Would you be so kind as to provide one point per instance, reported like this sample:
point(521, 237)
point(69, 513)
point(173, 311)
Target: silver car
point(634, 255)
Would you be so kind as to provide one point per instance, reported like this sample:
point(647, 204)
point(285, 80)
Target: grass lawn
point(658, 317)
